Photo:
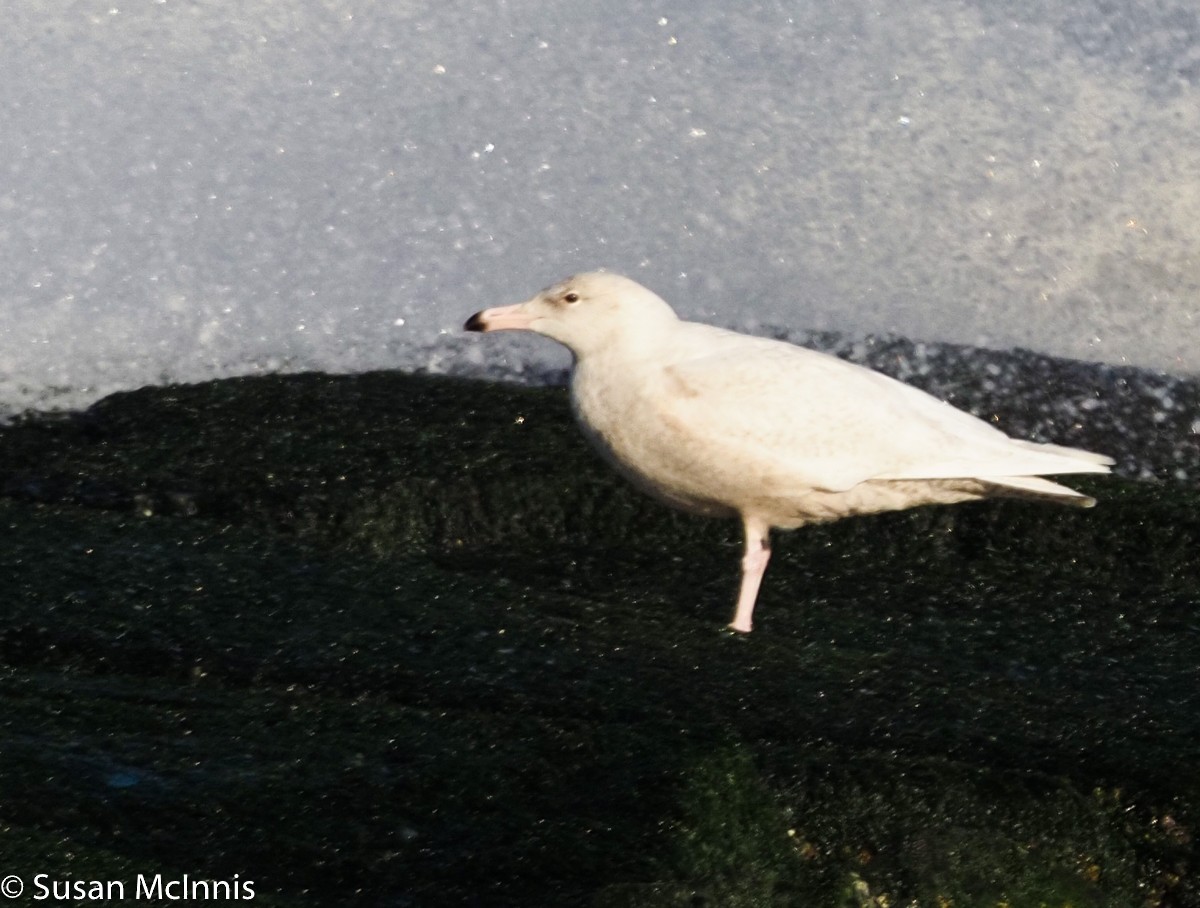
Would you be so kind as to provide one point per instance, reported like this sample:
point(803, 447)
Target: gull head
point(586, 312)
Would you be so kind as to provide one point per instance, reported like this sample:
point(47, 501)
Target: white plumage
point(725, 424)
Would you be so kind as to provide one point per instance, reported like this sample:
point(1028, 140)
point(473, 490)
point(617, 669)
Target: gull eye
point(571, 297)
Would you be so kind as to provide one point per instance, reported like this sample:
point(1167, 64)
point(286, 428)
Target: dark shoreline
point(401, 640)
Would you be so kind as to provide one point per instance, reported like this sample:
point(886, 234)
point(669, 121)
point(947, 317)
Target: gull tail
point(1035, 488)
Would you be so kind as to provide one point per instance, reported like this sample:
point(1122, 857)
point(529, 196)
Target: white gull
point(724, 424)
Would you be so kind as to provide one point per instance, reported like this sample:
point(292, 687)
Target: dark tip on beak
point(475, 323)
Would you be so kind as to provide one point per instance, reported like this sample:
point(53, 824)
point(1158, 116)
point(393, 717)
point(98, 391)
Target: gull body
point(724, 424)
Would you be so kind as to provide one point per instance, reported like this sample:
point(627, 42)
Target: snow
point(190, 191)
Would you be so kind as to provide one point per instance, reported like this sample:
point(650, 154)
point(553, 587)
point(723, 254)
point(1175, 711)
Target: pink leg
point(754, 564)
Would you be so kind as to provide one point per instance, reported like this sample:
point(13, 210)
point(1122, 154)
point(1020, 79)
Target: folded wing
point(801, 418)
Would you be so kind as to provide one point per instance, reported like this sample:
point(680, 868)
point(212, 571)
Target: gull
point(724, 424)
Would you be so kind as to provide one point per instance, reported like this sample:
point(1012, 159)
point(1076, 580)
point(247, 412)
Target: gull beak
point(502, 318)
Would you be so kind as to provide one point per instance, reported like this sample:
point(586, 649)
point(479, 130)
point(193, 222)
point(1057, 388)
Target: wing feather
point(805, 419)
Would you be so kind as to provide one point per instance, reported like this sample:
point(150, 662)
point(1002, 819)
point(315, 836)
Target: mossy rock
point(387, 640)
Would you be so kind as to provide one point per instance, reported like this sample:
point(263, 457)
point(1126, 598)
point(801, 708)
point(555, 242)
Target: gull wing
point(802, 419)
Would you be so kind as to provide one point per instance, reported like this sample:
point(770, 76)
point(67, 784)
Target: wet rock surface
point(400, 640)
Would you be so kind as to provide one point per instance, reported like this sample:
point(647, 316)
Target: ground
point(388, 640)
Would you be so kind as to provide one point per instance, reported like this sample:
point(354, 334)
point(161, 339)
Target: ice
point(182, 188)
